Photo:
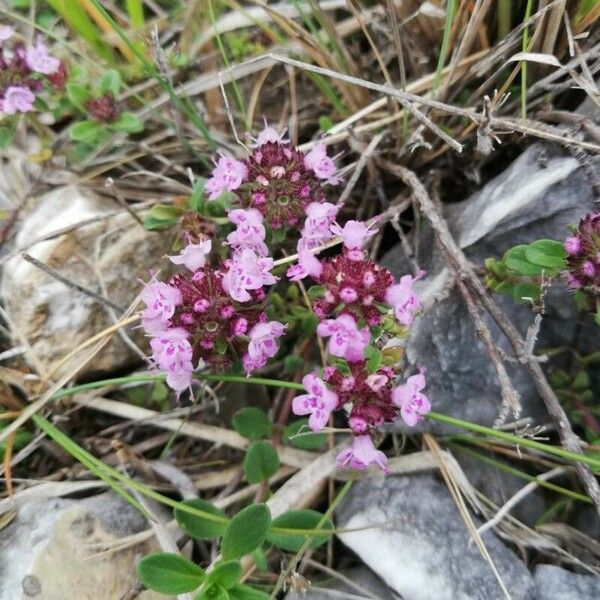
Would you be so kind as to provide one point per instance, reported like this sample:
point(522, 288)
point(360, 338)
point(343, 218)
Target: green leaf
point(128, 123)
point(110, 82)
point(298, 519)
point(252, 423)
point(523, 291)
point(246, 531)
point(6, 136)
point(312, 441)
point(169, 573)
point(221, 346)
point(245, 592)
point(547, 253)
point(199, 527)
point(78, 95)
point(197, 196)
point(516, 260)
point(374, 358)
point(261, 462)
point(292, 363)
point(226, 573)
point(260, 559)
point(309, 324)
point(597, 315)
point(316, 291)
point(325, 123)
point(85, 131)
point(213, 592)
point(152, 224)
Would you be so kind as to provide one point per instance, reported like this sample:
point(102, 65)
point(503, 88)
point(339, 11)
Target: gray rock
point(538, 196)
point(499, 486)
point(554, 583)
point(49, 551)
point(421, 548)
point(54, 318)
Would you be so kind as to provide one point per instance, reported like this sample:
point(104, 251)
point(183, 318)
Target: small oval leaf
point(246, 531)
point(298, 519)
point(169, 573)
point(226, 573)
point(252, 423)
point(261, 462)
point(199, 527)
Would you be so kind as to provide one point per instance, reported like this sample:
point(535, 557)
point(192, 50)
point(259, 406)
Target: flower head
point(359, 285)
point(404, 301)
point(319, 402)
point(321, 164)
point(346, 339)
point(193, 256)
point(40, 61)
point(103, 109)
point(354, 234)
point(362, 454)
point(247, 271)
point(227, 175)
point(583, 260)
point(413, 404)
point(17, 99)
point(172, 353)
point(278, 184)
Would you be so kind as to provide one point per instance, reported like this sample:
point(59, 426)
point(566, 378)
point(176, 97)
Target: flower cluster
point(216, 314)
point(24, 72)
point(356, 295)
point(583, 260)
point(276, 179)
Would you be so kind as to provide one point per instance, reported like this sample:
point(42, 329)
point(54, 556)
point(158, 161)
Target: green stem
point(518, 441)
point(521, 474)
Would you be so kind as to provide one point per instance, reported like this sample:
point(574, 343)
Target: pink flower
point(403, 299)
point(6, 32)
point(193, 256)
point(346, 341)
point(173, 353)
point(573, 282)
point(247, 271)
point(413, 404)
point(160, 300)
point(319, 218)
point(362, 454)
point(308, 264)
point(269, 135)
point(17, 99)
point(322, 166)
point(38, 59)
point(588, 268)
point(354, 234)
point(573, 245)
point(228, 174)
point(250, 232)
point(376, 381)
point(262, 339)
point(318, 403)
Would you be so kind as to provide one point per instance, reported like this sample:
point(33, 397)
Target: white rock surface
point(410, 533)
point(554, 583)
point(47, 552)
point(54, 318)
